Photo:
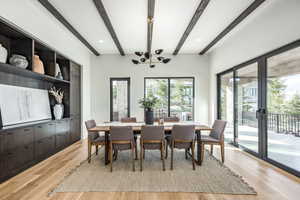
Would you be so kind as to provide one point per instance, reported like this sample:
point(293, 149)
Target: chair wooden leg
point(186, 154)
point(136, 153)
point(211, 149)
point(172, 152)
point(132, 156)
point(144, 154)
point(162, 156)
point(89, 151)
point(96, 149)
point(161, 152)
point(193, 155)
point(115, 155)
point(222, 152)
point(141, 157)
point(166, 150)
point(202, 152)
point(111, 156)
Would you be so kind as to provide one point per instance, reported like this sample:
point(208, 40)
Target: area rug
point(211, 177)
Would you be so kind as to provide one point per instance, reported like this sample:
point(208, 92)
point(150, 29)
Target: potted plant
point(58, 109)
point(148, 104)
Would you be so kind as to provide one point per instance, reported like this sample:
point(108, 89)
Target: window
point(175, 97)
point(119, 98)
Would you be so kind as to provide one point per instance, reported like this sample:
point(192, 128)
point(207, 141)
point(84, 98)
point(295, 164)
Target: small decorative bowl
point(18, 61)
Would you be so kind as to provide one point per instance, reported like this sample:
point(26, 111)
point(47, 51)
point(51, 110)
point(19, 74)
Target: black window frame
point(169, 91)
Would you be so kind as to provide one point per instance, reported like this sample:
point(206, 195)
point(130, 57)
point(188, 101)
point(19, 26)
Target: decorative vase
point(3, 54)
point(58, 111)
point(59, 76)
point(38, 65)
point(57, 73)
point(18, 61)
point(149, 117)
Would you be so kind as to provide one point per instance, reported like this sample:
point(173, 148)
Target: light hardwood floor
point(35, 183)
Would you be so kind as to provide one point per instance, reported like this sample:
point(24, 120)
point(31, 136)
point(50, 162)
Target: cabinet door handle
point(40, 127)
point(26, 129)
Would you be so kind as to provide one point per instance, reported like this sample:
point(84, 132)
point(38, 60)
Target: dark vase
point(149, 117)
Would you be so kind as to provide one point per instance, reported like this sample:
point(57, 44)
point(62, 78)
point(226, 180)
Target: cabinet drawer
point(62, 126)
point(44, 130)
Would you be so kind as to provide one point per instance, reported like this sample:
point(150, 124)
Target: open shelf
point(27, 73)
point(47, 56)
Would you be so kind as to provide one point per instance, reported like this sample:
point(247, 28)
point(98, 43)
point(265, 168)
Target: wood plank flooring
point(35, 183)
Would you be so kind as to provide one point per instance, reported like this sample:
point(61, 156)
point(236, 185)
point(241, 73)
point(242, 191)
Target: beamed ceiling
point(179, 26)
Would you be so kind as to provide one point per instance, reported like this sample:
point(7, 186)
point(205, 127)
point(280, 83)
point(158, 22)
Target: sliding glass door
point(175, 97)
point(226, 105)
point(246, 80)
point(283, 102)
point(119, 98)
point(260, 100)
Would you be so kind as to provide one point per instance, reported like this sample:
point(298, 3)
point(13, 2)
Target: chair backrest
point(183, 132)
point(218, 129)
point(121, 133)
point(171, 119)
point(152, 133)
point(91, 124)
point(128, 120)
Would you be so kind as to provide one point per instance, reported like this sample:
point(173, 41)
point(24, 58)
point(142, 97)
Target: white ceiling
point(129, 19)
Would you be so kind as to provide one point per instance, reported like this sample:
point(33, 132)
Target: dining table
point(137, 127)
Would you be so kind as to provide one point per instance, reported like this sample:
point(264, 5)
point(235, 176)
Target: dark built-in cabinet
point(24, 145)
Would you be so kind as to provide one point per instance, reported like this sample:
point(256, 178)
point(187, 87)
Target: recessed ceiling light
point(100, 41)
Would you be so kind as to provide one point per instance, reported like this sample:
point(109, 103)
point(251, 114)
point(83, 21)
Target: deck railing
point(279, 123)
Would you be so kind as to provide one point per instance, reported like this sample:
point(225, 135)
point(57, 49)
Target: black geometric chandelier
point(150, 59)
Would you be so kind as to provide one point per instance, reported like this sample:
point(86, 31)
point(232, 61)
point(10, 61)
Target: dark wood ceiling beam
point(233, 24)
point(102, 12)
point(60, 18)
point(202, 6)
point(151, 6)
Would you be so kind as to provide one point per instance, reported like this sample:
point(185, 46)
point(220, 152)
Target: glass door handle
point(258, 112)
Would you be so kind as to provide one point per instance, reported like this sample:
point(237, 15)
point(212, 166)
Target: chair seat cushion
point(206, 138)
point(177, 145)
point(100, 139)
point(152, 146)
point(121, 147)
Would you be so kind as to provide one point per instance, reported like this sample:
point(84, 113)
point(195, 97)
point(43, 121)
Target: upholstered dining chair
point(182, 137)
point(94, 139)
point(171, 119)
point(129, 120)
point(216, 137)
point(152, 138)
point(121, 138)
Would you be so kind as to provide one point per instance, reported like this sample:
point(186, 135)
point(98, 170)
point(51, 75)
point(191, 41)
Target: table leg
point(106, 147)
point(198, 137)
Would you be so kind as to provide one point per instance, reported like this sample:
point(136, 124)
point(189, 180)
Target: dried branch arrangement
point(57, 93)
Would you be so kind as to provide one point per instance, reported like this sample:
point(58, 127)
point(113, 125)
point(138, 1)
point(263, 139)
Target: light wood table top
point(138, 126)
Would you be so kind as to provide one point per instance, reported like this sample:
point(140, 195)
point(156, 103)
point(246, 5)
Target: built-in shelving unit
point(24, 145)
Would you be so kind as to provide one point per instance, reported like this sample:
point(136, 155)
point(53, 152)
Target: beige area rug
point(211, 177)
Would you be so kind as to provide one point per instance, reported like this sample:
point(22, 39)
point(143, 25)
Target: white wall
point(275, 24)
point(107, 66)
point(35, 19)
